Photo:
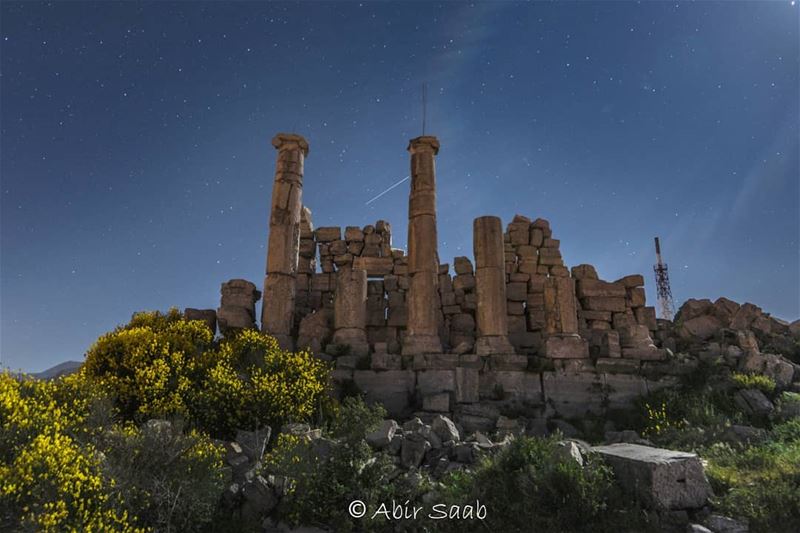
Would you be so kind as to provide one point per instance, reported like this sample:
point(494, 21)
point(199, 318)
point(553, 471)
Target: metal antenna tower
point(662, 286)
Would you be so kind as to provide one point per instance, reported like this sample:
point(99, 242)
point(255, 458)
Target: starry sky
point(137, 167)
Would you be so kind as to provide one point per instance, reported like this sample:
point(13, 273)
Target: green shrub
point(323, 483)
point(754, 381)
point(760, 483)
point(527, 487)
point(168, 480)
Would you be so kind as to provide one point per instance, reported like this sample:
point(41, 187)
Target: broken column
point(490, 278)
point(561, 321)
point(350, 310)
point(423, 258)
point(280, 284)
point(237, 307)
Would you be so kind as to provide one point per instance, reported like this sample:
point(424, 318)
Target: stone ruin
point(512, 329)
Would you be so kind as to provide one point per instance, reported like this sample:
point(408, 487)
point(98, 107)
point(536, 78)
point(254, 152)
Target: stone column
point(561, 321)
point(350, 310)
point(490, 279)
point(422, 335)
point(280, 284)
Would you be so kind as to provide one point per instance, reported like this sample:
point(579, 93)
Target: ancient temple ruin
point(509, 328)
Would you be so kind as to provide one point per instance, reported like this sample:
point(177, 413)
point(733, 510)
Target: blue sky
point(137, 168)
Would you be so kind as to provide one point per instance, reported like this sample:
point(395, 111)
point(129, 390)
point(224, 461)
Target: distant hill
point(61, 369)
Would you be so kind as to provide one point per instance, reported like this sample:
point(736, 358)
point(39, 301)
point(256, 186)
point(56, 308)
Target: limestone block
point(397, 317)
point(435, 361)
point(462, 322)
point(516, 323)
point(467, 385)
point(519, 233)
point(594, 287)
point(528, 266)
point(661, 479)
point(355, 248)
point(604, 303)
point(634, 280)
point(209, 316)
point(573, 394)
point(517, 292)
point(559, 271)
point(536, 236)
point(464, 282)
point(616, 365)
point(315, 331)
point(515, 308)
point(328, 234)
point(322, 282)
point(566, 347)
point(462, 265)
point(393, 389)
point(436, 381)
point(581, 272)
point(646, 316)
point(511, 385)
point(622, 388)
point(636, 297)
point(438, 403)
point(550, 257)
point(374, 266)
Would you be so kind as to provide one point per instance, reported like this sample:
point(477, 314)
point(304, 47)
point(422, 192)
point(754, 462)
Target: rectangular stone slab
point(660, 479)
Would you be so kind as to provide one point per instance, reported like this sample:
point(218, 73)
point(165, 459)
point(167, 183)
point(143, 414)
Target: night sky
point(137, 167)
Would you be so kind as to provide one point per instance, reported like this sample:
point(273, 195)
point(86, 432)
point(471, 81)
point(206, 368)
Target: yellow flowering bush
point(49, 479)
point(149, 363)
point(250, 382)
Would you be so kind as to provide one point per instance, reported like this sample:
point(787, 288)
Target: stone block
point(574, 394)
point(467, 385)
point(604, 303)
point(438, 403)
point(375, 266)
point(536, 236)
point(661, 479)
point(328, 234)
point(464, 282)
point(616, 365)
point(517, 291)
point(636, 297)
point(394, 389)
point(508, 362)
point(566, 347)
point(595, 287)
point(435, 381)
point(512, 386)
point(646, 316)
point(353, 233)
point(621, 388)
point(629, 282)
point(584, 272)
point(462, 265)
point(385, 361)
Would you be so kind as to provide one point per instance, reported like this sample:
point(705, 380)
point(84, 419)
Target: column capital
point(287, 141)
point(423, 144)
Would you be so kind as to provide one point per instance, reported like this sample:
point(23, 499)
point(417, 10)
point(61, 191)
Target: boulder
point(702, 327)
point(383, 435)
point(661, 479)
point(754, 402)
point(723, 524)
point(692, 308)
point(568, 451)
point(445, 429)
point(413, 450)
point(253, 443)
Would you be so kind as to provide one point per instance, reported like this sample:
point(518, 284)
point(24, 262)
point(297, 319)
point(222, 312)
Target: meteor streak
point(387, 190)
